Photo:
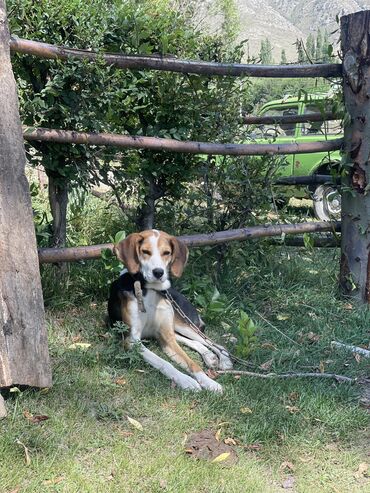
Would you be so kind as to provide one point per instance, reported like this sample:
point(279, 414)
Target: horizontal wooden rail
point(277, 119)
point(52, 255)
point(299, 242)
point(138, 62)
point(172, 145)
point(306, 180)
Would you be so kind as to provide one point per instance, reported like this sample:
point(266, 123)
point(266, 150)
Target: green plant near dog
point(110, 261)
point(246, 335)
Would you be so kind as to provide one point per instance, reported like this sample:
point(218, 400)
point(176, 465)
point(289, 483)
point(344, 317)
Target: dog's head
point(155, 254)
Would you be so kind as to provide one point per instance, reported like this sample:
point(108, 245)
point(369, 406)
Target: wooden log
point(52, 255)
point(306, 180)
point(24, 358)
point(355, 252)
point(3, 412)
point(158, 144)
point(299, 242)
point(278, 119)
point(139, 62)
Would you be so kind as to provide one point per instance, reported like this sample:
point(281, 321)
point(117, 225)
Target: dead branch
point(339, 378)
point(354, 349)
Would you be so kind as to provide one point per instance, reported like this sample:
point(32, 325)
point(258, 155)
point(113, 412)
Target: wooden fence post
point(24, 357)
point(355, 254)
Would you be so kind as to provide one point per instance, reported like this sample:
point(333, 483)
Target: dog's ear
point(127, 251)
point(180, 255)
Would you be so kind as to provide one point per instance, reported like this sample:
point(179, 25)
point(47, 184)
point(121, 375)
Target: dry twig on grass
point(338, 378)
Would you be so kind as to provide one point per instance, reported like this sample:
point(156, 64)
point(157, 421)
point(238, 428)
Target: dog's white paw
point(211, 360)
point(225, 363)
point(207, 383)
point(187, 383)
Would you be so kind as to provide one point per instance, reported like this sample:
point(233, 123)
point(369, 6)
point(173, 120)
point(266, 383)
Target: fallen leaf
point(125, 433)
point(111, 476)
point(312, 337)
point(221, 457)
point(106, 335)
point(292, 409)
point(57, 480)
point(79, 345)
point(348, 306)
point(204, 445)
point(282, 316)
point(362, 470)
point(237, 377)
point(135, 423)
point(218, 434)
point(293, 396)
point(322, 367)
point(163, 484)
point(286, 466)
point(288, 483)
point(120, 381)
point(230, 441)
point(76, 338)
point(27, 456)
point(212, 374)
point(269, 345)
point(357, 357)
point(246, 410)
point(35, 419)
point(253, 446)
point(266, 365)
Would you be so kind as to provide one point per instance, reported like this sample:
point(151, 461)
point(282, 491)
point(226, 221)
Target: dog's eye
point(146, 252)
point(166, 253)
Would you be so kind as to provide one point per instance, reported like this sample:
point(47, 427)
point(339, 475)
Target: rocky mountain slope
point(285, 21)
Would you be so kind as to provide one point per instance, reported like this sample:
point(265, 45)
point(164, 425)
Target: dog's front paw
point(187, 383)
point(207, 383)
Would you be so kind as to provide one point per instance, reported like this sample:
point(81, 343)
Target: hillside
point(285, 21)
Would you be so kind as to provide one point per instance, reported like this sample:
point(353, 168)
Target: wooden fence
point(355, 264)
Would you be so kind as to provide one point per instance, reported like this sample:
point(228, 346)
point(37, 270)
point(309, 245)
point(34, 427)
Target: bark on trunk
point(24, 358)
point(146, 214)
point(58, 199)
point(355, 243)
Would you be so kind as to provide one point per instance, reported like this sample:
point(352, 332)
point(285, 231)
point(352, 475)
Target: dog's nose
point(158, 273)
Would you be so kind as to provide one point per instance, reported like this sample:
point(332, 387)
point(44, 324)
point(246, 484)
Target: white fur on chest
point(158, 312)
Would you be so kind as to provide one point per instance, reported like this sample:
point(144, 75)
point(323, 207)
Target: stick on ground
point(338, 378)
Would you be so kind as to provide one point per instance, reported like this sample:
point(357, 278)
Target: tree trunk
point(355, 243)
point(24, 358)
point(146, 214)
point(58, 199)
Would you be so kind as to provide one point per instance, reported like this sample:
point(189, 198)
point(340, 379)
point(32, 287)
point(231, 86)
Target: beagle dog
point(150, 257)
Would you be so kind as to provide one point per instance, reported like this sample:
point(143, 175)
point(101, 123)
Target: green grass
point(316, 425)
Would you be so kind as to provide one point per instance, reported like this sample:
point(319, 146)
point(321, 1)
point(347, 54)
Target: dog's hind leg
point(209, 358)
point(169, 345)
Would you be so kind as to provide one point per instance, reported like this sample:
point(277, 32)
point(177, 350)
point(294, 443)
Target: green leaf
point(121, 235)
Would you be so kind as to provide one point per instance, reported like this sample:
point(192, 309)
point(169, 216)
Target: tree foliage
point(87, 96)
